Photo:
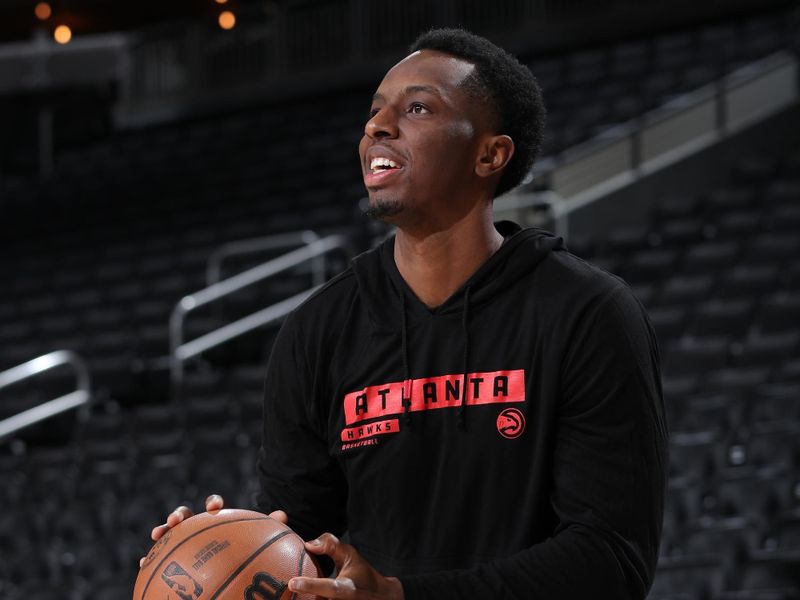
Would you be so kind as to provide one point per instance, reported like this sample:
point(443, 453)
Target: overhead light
point(62, 34)
point(43, 11)
point(221, 1)
point(227, 20)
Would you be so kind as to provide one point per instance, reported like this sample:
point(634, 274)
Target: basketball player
point(479, 409)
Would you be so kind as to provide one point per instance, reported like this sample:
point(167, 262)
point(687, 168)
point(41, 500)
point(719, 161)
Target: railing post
point(181, 351)
point(78, 399)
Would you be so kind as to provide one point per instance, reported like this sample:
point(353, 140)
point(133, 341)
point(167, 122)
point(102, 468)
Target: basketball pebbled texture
point(225, 555)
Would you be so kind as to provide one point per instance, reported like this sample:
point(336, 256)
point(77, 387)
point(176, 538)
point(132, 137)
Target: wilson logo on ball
point(265, 587)
point(510, 423)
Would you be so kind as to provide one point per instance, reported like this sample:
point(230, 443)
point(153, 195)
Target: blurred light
point(62, 34)
point(221, 1)
point(43, 11)
point(227, 20)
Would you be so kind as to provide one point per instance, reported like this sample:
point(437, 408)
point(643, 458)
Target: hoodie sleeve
point(609, 474)
point(296, 472)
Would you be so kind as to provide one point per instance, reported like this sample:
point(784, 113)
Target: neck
point(435, 265)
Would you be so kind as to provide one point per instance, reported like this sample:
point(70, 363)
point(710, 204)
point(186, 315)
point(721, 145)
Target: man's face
point(421, 141)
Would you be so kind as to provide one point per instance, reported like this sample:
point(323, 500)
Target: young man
point(479, 409)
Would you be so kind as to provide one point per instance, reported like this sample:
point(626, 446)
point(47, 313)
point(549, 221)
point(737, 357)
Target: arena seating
point(97, 257)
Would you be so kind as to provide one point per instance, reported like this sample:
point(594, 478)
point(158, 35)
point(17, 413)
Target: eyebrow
point(413, 89)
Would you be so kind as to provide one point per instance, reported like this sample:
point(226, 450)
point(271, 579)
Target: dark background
point(129, 155)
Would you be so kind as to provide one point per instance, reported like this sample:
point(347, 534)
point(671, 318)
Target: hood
point(521, 252)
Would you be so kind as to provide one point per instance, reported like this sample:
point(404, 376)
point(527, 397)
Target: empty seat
point(626, 239)
point(773, 447)
point(707, 257)
point(682, 230)
point(548, 73)
point(737, 223)
point(697, 75)
point(205, 383)
point(673, 50)
point(695, 356)
point(780, 311)
point(683, 289)
point(717, 413)
point(586, 67)
point(784, 218)
point(675, 206)
point(727, 199)
point(732, 380)
point(746, 493)
point(766, 348)
point(748, 280)
point(649, 265)
point(206, 413)
point(722, 317)
point(694, 455)
point(789, 370)
point(774, 247)
point(668, 322)
point(629, 59)
point(625, 107)
point(755, 169)
point(656, 86)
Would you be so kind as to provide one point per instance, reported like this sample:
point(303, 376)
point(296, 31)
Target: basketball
point(222, 555)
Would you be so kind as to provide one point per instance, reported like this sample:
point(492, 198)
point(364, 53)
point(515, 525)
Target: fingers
point(329, 544)
point(214, 502)
point(175, 517)
point(341, 588)
point(279, 515)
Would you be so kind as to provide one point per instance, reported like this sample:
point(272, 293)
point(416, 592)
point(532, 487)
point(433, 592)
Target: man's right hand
point(213, 502)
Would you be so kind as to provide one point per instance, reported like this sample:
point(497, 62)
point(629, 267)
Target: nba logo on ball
point(510, 423)
point(181, 582)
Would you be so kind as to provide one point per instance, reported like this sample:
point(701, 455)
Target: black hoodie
point(547, 482)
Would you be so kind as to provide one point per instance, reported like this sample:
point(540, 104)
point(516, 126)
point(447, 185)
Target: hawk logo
point(510, 423)
point(264, 587)
point(181, 582)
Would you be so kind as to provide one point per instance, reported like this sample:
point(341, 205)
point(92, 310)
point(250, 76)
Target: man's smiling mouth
point(380, 163)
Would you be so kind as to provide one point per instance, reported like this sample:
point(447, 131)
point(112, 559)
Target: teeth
point(382, 162)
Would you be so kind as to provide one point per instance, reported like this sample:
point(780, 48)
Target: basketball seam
point(183, 541)
point(299, 569)
point(250, 559)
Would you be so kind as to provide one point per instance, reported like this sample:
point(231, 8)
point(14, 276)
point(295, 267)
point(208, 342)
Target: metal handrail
point(631, 133)
point(180, 351)
point(34, 367)
point(271, 242)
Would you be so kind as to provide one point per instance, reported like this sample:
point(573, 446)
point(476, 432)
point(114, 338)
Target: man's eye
point(418, 109)
point(372, 112)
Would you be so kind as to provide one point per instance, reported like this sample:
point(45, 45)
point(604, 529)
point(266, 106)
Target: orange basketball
point(223, 555)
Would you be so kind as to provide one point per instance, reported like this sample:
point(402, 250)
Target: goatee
point(382, 209)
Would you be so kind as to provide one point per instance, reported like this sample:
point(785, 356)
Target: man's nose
point(383, 124)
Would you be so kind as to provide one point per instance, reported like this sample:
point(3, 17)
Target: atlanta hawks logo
point(510, 423)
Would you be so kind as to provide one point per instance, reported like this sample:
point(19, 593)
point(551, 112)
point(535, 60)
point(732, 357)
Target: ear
point(495, 153)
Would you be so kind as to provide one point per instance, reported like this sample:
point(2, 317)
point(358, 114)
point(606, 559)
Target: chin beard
point(383, 209)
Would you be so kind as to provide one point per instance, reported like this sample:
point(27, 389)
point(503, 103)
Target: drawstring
point(465, 326)
point(407, 381)
point(406, 370)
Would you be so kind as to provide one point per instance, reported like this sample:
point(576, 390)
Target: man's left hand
point(356, 579)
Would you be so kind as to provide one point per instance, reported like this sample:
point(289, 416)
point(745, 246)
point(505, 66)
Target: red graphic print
point(510, 423)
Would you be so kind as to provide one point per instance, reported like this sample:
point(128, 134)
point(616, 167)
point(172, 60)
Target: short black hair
point(509, 88)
